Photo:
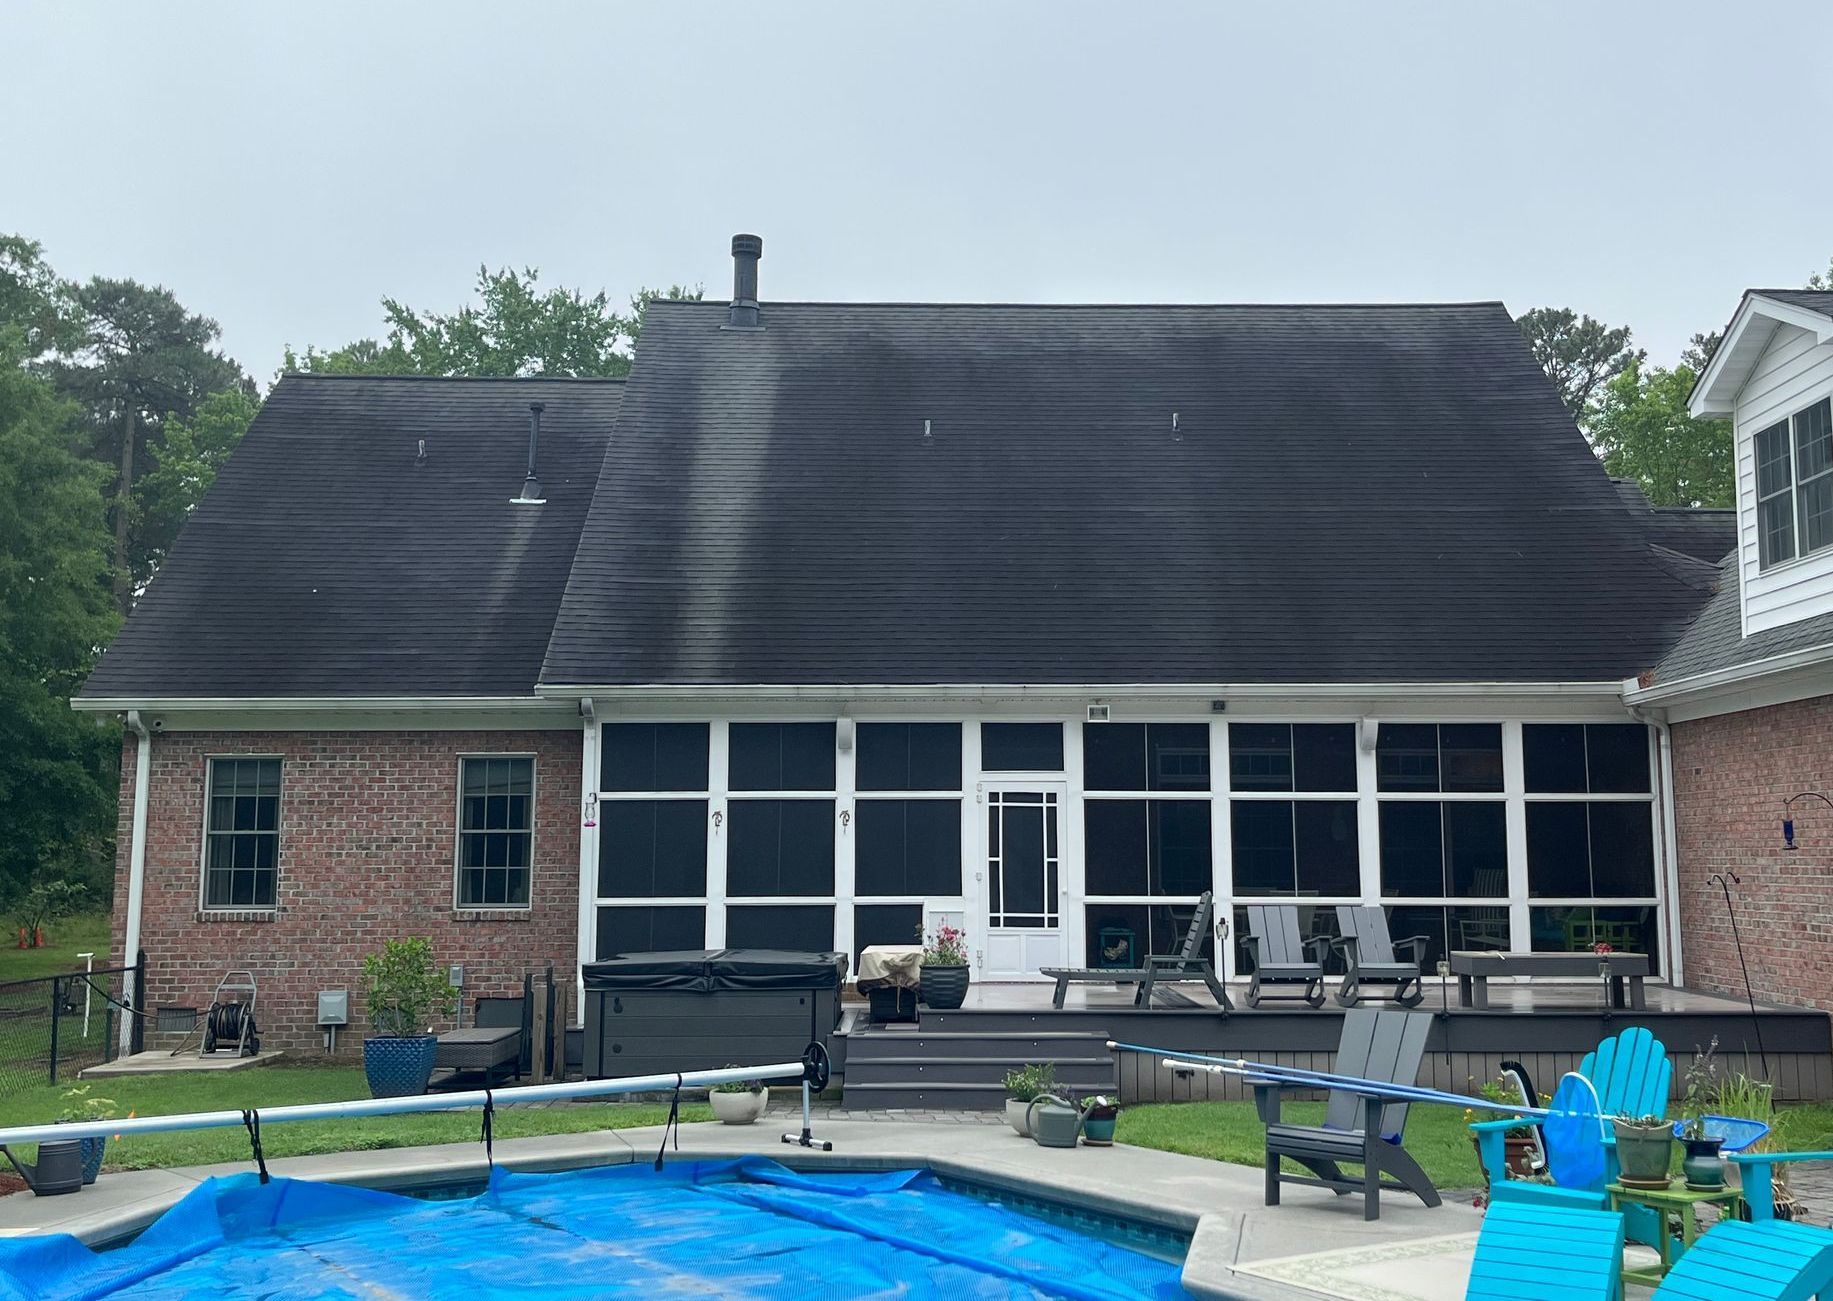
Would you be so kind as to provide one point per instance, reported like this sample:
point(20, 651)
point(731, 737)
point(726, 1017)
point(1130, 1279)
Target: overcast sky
point(284, 167)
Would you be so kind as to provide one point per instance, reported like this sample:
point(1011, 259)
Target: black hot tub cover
point(708, 970)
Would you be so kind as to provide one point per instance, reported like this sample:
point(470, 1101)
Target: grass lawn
point(1436, 1136)
point(63, 941)
point(274, 1086)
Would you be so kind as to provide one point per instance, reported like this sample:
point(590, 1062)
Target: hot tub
point(647, 1013)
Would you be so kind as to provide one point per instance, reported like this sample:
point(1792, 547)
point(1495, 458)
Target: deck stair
point(956, 1068)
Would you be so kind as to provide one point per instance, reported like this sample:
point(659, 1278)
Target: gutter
point(1075, 691)
point(1670, 846)
point(136, 865)
point(1734, 675)
point(115, 704)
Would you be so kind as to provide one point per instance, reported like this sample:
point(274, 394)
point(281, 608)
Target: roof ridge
point(461, 379)
point(1085, 306)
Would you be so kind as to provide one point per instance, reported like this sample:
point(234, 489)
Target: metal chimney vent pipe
point(746, 251)
point(531, 486)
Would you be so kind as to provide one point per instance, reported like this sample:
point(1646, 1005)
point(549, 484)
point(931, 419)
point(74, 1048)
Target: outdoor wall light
point(1788, 819)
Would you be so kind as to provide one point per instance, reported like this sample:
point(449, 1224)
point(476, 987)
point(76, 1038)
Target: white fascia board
point(1725, 680)
point(1082, 691)
point(1715, 393)
point(293, 704)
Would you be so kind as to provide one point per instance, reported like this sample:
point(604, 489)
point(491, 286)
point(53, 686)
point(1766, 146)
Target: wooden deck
point(1548, 1026)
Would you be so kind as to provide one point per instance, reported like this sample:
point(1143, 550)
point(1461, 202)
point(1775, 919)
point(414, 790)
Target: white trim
point(458, 830)
point(1635, 694)
point(273, 704)
point(1077, 692)
point(1706, 402)
point(586, 922)
point(136, 862)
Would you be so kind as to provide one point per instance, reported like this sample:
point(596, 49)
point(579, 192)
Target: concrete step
point(1082, 1074)
point(936, 1097)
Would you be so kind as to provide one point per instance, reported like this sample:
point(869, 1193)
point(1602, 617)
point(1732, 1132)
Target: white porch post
point(1514, 787)
point(845, 865)
point(587, 939)
point(719, 747)
point(1222, 842)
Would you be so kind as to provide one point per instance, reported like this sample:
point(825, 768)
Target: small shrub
point(1028, 1083)
point(406, 990)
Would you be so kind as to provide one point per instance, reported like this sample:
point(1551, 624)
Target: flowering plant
point(1601, 947)
point(947, 948)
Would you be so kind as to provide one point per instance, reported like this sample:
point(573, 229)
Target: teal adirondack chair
point(1631, 1074)
point(1539, 1251)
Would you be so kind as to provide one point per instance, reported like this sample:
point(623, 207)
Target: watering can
point(1053, 1121)
point(59, 1168)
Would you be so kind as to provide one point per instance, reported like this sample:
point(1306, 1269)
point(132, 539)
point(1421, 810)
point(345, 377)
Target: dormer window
point(1795, 485)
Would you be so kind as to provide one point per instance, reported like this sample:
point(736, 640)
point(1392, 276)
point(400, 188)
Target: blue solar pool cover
point(739, 1229)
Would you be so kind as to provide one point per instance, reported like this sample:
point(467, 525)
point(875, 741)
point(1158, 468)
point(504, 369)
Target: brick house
point(1747, 692)
point(839, 620)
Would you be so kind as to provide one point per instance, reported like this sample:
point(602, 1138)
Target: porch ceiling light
point(1788, 818)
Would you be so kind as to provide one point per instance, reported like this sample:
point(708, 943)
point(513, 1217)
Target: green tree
point(139, 359)
point(1577, 352)
point(57, 767)
point(33, 300)
point(1822, 279)
point(1642, 431)
point(186, 462)
point(513, 328)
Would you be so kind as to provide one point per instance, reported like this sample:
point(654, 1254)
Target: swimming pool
point(738, 1229)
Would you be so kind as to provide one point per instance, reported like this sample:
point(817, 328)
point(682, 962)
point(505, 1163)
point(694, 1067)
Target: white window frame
point(203, 849)
point(1795, 490)
point(458, 832)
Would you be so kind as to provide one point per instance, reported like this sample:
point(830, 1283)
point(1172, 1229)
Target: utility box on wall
point(334, 1007)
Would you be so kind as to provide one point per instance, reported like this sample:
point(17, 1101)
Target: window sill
point(238, 914)
point(493, 914)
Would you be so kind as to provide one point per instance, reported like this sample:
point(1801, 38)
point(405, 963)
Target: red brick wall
point(1731, 775)
point(367, 849)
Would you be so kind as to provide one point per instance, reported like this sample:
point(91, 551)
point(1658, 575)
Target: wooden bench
point(1474, 967)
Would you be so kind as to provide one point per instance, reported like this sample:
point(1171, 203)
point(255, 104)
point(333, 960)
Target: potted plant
point(406, 991)
point(1645, 1148)
point(1099, 1116)
point(1517, 1144)
point(1703, 1164)
point(739, 1102)
point(945, 969)
point(1023, 1087)
point(79, 1106)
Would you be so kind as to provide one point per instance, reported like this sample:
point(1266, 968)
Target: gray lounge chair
point(1363, 1129)
point(1188, 963)
point(1372, 959)
point(1281, 958)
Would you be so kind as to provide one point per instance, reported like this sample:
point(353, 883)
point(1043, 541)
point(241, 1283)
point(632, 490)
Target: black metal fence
point(52, 1027)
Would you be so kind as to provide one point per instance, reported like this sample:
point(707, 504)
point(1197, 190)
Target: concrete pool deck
point(1314, 1235)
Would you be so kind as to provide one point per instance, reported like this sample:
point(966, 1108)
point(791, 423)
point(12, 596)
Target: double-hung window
point(1795, 485)
point(496, 830)
point(242, 833)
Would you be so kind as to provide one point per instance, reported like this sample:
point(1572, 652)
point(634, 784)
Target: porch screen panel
point(803, 928)
point(1590, 837)
point(780, 823)
point(649, 929)
point(906, 828)
point(653, 816)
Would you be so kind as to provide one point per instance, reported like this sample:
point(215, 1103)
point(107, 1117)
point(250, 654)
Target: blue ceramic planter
point(94, 1149)
point(398, 1068)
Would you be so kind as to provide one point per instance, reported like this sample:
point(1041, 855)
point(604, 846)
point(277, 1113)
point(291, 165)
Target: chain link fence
point(53, 1027)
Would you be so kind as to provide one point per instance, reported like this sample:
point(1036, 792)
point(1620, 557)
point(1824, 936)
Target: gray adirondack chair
point(1374, 959)
point(1280, 957)
point(1360, 1128)
point(1188, 963)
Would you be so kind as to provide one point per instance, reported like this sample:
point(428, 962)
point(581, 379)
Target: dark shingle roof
point(1354, 494)
point(1716, 641)
point(327, 562)
point(1814, 300)
point(1704, 532)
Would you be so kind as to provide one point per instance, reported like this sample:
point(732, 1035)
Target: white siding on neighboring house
point(1793, 372)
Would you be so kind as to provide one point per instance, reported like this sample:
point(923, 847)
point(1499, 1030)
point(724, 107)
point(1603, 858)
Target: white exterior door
point(1019, 878)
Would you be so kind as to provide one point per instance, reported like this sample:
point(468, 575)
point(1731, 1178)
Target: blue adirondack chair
point(1539, 1251)
point(1631, 1074)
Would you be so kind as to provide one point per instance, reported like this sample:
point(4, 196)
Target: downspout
point(136, 865)
point(1670, 847)
point(586, 946)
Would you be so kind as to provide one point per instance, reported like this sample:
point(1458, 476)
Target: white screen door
point(1021, 878)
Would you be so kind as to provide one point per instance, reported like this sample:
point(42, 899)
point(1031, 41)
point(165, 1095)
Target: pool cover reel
point(748, 1228)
